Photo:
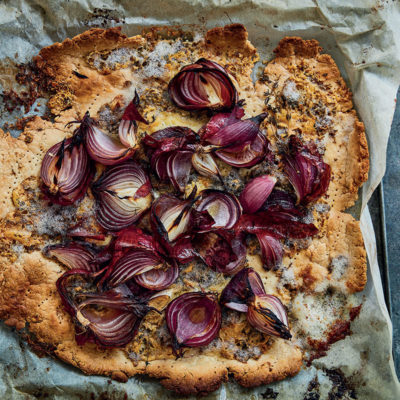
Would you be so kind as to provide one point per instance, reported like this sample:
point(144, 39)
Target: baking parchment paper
point(364, 39)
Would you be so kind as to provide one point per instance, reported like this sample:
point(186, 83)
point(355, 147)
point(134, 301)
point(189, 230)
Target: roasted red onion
point(279, 200)
point(205, 164)
point(123, 193)
point(82, 232)
point(178, 166)
point(230, 133)
point(241, 289)
point(73, 256)
point(271, 250)
point(221, 250)
point(202, 85)
point(252, 154)
point(309, 175)
point(193, 320)
point(134, 238)
point(158, 279)
point(66, 171)
point(131, 264)
point(128, 126)
point(101, 147)
point(217, 210)
point(171, 217)
point(256, 192)
point(267, 314)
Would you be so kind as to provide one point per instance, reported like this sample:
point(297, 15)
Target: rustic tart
point(170, 217)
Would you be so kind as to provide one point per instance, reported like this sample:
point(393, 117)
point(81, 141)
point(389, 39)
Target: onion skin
point(66, 171)
point(309, 175)
point(193, 320)
point(241, 289)
point(256, 192)
point(204, 85)
point(267, 314)
point(123, 194)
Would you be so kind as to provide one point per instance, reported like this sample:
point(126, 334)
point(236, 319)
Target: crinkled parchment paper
point(364, 39)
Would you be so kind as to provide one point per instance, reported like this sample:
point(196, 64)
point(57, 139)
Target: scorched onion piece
point(101, 147)
point(280, 200)
point(134, 238)
point(80, 231)
point(241, 289)
point(171, 217)
point(202, 85)
point(73, 256)
point(267, 314)
point(256, 192)
point(158, 279)
point(271, 250)
point(128, 126)
point(252, 154)
point(308, 174)
point(205, 164)
point(132, 263)
point(66, 171)
point(122, 195)
point(221, 250)
point(193, 320)
point(218, 210)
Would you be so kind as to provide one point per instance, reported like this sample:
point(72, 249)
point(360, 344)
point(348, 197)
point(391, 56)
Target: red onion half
point(66, 171)
point(123, 193)
point(193, 320)
point(202, 85)
point(308, 174)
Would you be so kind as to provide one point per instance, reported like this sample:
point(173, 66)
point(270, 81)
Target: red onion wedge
point(241, 289)
point(158, 279)
point(132, 263)
point(73, 256)
point(66, 171)
point(234, 135)
point(178, 166)
point(202, 85)
point(271, 250)
point(267, 314)
point(171, 217)
point(128, 126)
point(123, 193)
point(308, 174)
point(221, 250)
point(217, 210)
point(80, 231)
point(256, 192)
point(134, 238)
point(279, 200)
point(101, 147)
point(205, 165)
point(252, 154)
point(193, 320)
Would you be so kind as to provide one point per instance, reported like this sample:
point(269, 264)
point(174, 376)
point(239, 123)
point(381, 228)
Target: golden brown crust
point(28, 295)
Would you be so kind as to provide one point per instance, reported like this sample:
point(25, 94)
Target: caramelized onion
point(171, 217)
point(267, 314)
point(73, 256)
point(66, 171)
point(202, 85)
point(271, 250)
point(256, 192)
point(128, 126)
point(241, 289)
point(122, 195)
point(205, 164)
point(309, 175)
point(158, 279)
point(217, 210)
point(193, 320)
point(101, 147)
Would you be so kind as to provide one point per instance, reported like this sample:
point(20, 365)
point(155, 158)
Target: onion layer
point(122, 195)
point(202, 85)
point(193, 320)
point(256, 192)
point(158, 279)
